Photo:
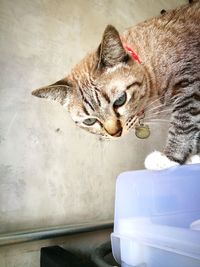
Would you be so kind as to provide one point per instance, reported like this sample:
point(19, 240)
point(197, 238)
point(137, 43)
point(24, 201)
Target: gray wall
point(51, 172)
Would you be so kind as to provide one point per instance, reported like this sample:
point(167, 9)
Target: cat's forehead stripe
point(104, 94)
point(85, 110)
point(97, 97)
point(85, 99)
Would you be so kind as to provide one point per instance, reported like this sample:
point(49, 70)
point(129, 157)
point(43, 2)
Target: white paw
point(193, 159)
point(158, 161)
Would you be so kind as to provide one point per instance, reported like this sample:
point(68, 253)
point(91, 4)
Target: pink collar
point(134, 55)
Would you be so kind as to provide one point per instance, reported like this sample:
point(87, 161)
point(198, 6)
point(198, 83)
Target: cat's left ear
point(111, 51)
point(59, 92)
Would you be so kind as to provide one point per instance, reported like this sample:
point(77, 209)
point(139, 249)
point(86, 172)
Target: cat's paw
point(193, 159)
point(158, 161)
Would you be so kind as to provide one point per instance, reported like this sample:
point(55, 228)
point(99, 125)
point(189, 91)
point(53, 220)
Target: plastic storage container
point(156, 218)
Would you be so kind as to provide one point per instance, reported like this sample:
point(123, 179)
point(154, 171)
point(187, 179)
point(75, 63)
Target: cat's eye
point(120, 101)
point(90, 121)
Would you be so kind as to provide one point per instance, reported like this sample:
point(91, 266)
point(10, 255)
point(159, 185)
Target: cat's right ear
point(59, 92)
point(111, 51)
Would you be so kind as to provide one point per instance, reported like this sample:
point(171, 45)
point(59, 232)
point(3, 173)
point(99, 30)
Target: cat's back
point(169, 43)
point(182, 18)
point(175, 28)
point(185, 19)
point(179, 29)
point(186, 13)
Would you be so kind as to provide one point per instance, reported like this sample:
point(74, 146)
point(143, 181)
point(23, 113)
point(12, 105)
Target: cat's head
point(104, 93)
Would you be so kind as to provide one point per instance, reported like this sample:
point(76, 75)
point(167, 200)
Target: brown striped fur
point(166, 83)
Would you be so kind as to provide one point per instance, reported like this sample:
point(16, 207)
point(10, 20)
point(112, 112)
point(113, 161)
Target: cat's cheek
point(158, 161)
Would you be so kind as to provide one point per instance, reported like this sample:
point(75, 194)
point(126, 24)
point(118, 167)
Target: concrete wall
point(51, 172)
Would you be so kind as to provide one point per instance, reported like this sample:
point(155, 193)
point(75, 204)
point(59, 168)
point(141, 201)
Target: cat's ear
point(111, 51)
point(59, 91)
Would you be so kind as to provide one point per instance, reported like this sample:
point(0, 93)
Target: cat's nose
point(113, 127)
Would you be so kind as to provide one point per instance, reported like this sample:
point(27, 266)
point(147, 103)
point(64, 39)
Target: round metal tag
point(142, 131)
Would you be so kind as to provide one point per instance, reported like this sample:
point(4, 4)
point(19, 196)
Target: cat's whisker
point(155, 121)
point(155, 118)
point(157, 107)
point(131, 124)
point(165, 111)
point(162, 110)
point(154, 101)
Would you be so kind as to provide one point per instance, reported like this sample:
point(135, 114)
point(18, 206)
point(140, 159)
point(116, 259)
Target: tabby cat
point(149, 72)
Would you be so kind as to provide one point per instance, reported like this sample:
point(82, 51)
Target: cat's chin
point(114, 138)
point(158, 161)
point(107, 137)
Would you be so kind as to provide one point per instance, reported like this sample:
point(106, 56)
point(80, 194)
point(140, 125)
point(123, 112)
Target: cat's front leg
point(176, 151)
point(181, 143)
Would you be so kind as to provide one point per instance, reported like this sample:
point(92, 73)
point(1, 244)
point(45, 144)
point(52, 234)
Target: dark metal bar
point(48, 233)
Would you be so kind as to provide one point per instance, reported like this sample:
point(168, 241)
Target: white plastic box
point(154, 212)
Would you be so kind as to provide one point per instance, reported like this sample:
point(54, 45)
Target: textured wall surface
point(51, 172)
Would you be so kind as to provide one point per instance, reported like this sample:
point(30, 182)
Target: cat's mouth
point(115, 135)
point(132, 123)
point(118, 134)
point(113, 127)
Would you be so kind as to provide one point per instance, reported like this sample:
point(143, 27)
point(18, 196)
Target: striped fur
point(165, 87)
